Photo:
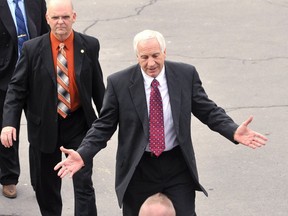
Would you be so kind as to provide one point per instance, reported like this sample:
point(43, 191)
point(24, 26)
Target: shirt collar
point(12, 1)
point(68, 42)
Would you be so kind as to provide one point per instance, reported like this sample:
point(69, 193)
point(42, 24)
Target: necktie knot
point(61, 45)
point(16, 1)
point(61, 49)
point(155, 83)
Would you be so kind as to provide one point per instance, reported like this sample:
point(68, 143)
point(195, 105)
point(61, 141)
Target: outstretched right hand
point(71, 164)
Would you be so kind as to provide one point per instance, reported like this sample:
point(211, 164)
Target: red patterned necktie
point(64, 105)
point(156, 121)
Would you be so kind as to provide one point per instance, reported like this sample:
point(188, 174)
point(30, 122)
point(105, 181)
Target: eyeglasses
point(57, 18)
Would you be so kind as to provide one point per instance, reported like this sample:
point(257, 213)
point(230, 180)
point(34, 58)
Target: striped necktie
point(64, 105)
point(21, 27)
point(156, 121)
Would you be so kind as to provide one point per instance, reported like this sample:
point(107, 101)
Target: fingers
point(261, 137)
point(63, 172)
point(248, 121)
point(60, 164)
point(65, 166)
point(64, 150)
point(258, 140)
point(8, 135)
point(63, 169)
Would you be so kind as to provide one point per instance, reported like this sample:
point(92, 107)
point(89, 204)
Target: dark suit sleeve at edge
point(102, 128)
point(98, 86)
point(209, 113)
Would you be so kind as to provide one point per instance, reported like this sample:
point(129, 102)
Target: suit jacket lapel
point(7, 20)
point(138, 97)
point(79, 51)
point(174, 89)
point(46, 53)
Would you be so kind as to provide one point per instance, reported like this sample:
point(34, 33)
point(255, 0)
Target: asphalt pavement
point(240, 51)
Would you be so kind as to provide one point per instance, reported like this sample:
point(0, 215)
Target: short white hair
point(149, 34)
point(158, 204)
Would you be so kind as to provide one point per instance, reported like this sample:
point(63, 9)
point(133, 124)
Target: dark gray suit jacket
point(37, 25)
point(125, 106)
point(34, 86)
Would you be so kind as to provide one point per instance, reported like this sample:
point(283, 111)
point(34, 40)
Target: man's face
point(150, 57)
point(60, 17)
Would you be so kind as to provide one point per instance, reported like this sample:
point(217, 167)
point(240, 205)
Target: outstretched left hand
point(248, 137)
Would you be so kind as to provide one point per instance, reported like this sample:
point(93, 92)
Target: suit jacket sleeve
point(103, 128)
point(16, 93)
point(209, 113)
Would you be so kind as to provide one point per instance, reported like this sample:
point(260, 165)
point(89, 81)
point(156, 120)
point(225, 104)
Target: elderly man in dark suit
point(152, 103)
point(57, 78)
point(35, 24)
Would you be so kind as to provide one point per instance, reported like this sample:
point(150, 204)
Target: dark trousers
point(167, 174)
point(9, 157)
point(48, 185)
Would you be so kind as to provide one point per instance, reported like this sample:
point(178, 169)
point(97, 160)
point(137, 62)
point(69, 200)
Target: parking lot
point(240, 50)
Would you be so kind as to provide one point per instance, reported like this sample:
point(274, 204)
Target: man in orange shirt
point(57, 78)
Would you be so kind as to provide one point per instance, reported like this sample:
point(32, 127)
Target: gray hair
point(149, 34)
